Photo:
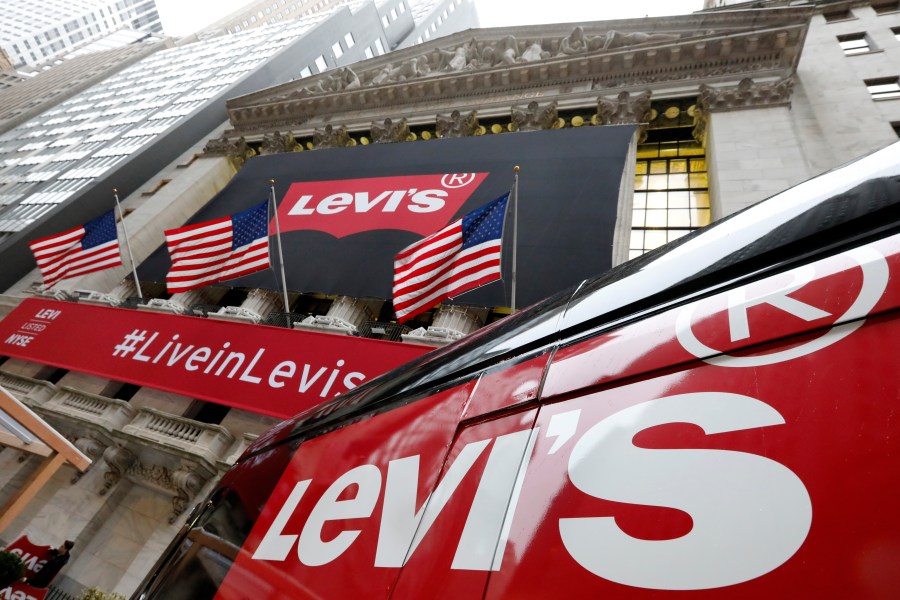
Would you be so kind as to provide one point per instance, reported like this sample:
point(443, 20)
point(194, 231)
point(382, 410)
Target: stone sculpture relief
point(624, 109)
point(535, 117)
point(331, 137)
point(457, 125)
point(476, 55)
point(745, 94)
point(276, 143)
point(390, 132)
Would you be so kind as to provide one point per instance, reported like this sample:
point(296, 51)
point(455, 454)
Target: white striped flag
point(92, 247)
point(460, 257)
point(217, 250)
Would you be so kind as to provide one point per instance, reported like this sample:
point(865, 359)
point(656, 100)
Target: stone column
point(752, 148)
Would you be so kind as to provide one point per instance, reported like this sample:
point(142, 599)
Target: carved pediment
point(473, 68)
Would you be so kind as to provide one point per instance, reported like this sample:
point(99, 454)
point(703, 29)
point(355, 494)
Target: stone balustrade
point(109, 414)
point(209, 442)
point(238, 449)
point(31, 391)
point(116, 422)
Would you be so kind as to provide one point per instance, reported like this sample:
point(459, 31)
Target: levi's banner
point(345, 213)
point(34, 558)
point(22, 591)
point(266, 370)
point(420, 204)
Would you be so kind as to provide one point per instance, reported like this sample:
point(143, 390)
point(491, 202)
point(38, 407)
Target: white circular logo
point(457, 180)
point(875, 278)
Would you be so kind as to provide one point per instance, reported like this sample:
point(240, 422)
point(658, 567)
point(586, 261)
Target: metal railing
point(283, 319)
point(58, 594)
point(377, 330)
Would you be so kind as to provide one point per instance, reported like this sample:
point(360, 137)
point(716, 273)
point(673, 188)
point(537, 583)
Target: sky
point(182, 17)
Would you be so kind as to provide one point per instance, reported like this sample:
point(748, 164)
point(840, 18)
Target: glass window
point(671, 194)
point(884, 88)
point(348, 40)
point(839, 14)
point(379, 46)
point(321, 65)
point(337, 50)
point(854, 43)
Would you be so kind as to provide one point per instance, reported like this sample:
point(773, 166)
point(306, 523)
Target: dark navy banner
point(345, 212)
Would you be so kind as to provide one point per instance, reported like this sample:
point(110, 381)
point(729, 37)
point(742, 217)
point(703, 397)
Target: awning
point(23, 430)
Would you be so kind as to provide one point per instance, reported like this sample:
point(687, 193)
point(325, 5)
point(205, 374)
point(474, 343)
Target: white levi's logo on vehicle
point(739, 531)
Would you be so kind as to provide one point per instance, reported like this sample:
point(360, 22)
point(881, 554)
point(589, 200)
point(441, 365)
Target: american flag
point(460, 257)
point(92, 247)
point(218, 250)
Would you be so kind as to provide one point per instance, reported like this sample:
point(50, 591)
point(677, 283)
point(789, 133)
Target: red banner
point(34, 557)
point(418, 203)
point(266, 370)
point(22, 591)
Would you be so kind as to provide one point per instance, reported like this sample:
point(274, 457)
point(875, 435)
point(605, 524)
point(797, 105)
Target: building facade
point(121, 131)
point(33, 33)
point(730, 105)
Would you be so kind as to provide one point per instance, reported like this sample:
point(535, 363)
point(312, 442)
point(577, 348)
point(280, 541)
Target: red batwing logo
point(418, 203)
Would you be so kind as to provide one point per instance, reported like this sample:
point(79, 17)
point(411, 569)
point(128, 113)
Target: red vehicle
point(720, 417)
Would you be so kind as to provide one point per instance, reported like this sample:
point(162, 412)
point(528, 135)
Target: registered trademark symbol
point(457, 180)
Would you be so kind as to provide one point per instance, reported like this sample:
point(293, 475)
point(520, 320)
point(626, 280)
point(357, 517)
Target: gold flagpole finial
point(516, 168)
point(115, 190)
point(272, 182)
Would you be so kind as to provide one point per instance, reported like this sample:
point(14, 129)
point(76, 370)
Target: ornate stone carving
point(331, 137)
point(463, 72)
point(457, 125)
point(152, 474)
point(90, 447)
point(578, 43)
point(746, 94)
point(338, 80)
point(574, 43)
point(626, 109)
point(118, 460)
point(701, 122)
point(276, 143)
point(535, 117)
point(390, 131)
point(417, 66)
point(186, 483)
point(220, 145)
point(239, 152)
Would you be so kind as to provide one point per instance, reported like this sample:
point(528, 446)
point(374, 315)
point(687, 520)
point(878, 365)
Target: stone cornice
point(675, 54)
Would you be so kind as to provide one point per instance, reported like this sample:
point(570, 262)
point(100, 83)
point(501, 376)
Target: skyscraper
point(34, 32)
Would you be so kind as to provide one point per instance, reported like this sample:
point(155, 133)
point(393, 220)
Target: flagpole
point(280, 251)
point(515, 204)
point(137, 283)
